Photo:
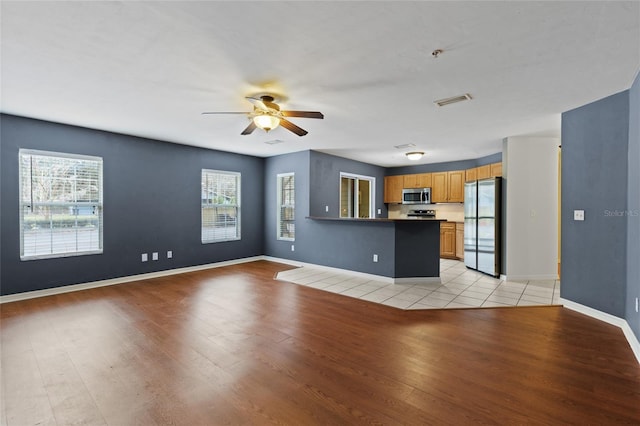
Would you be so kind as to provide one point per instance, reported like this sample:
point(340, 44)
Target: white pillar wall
point(530, 171)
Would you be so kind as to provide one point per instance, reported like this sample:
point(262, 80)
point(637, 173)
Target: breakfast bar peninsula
point(404, 250)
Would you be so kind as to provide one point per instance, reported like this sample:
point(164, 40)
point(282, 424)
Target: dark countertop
point(379, 219)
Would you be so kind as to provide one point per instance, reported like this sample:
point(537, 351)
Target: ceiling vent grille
point(274, 142)
point(453, 100)
point(404, 146)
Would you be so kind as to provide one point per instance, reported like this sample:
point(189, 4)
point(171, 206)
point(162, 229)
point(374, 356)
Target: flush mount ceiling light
point(453, 100)
point(415, 155)
point(266, 122)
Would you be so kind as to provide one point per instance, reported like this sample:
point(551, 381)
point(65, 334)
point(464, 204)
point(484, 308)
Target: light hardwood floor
point(233, 346)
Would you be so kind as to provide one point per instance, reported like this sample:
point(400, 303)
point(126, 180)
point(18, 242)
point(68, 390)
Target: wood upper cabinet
point(496, 169)
point(456, 186)
point(439, 187)
point(484, 171)
point(448, 240)
point(420, 180)
point(460, 240)
point(448, 187)
point(471, 174)
point(393, 189)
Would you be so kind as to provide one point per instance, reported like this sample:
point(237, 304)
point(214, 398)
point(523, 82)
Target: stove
point(430, 214)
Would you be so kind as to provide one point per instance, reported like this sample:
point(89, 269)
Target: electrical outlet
point(293, 247)
point(379, 211)
point(578, 215)
point(375, 257)
point(636, 304)
point(169, 254)
point(145, 257)
point(326, 208)
point(154, 255)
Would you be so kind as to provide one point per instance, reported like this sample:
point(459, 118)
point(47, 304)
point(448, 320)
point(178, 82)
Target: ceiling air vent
point(274, 142)
point(404, 146)
point(449, 101)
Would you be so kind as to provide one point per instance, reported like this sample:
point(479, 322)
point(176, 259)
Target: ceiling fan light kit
point(266, 122)
point(414, 155)
point(267, 115)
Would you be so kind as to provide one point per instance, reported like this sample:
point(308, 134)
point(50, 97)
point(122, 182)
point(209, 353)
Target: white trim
point(390, 280)
point(120, 280)
point(608, 318)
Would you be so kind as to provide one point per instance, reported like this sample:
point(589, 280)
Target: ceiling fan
point(267, 115)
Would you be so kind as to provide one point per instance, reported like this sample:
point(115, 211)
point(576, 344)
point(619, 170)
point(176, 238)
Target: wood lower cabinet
point(460, 240)
point(448, 240)
point(393, 189)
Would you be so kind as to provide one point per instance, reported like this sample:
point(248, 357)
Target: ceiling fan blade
point(224, 112)
point(250, 128)
point(292, 127)
point(257, 103)
point(305, 114)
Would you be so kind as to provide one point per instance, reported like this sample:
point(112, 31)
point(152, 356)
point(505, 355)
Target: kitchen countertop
point(378, 219)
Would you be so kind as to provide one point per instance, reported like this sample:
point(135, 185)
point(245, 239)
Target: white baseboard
point(390, 280)
point(120, 280)
point(608, 318)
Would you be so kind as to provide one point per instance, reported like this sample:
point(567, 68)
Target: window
point(220, 206)
point(356, 196)
point(60, 204)
point(286, 207)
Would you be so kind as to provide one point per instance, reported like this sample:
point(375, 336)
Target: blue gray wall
point(317, 186)
point(324, 175)
point(151, 204)
point(445, 167)
point(595, 145)
point(633, 206)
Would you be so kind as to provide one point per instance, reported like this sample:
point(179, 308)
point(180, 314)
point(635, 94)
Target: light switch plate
point(169, 254)
point(578, 215)
point(154, 255)
point(144, 257)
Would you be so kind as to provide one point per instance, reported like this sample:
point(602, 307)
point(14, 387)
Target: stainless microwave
point(416, 196)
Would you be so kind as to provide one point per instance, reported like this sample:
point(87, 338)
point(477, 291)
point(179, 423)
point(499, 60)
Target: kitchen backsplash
point(450, 212)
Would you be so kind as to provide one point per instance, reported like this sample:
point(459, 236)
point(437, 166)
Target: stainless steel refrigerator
point(482, 206)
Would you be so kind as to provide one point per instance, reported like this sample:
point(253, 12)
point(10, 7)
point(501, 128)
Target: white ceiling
point(150, 68)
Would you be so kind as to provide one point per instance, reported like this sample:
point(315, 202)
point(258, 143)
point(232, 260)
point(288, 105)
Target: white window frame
point(207, 235)
point(372, 193)
point(28, 205)
point(281, 205)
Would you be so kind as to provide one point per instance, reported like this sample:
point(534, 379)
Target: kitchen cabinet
point(460, 240)
point(484, 172)
point(393, 189)
point(496, 169)
point(448, 187)
point(456, 186)
point(471, 174)
point(448, 240)
point(420, 180)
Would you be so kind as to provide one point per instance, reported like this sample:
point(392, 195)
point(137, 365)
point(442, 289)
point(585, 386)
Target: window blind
point(60, 204)
point(220, 206)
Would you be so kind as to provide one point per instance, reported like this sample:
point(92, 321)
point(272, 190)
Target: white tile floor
point(460, 288)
